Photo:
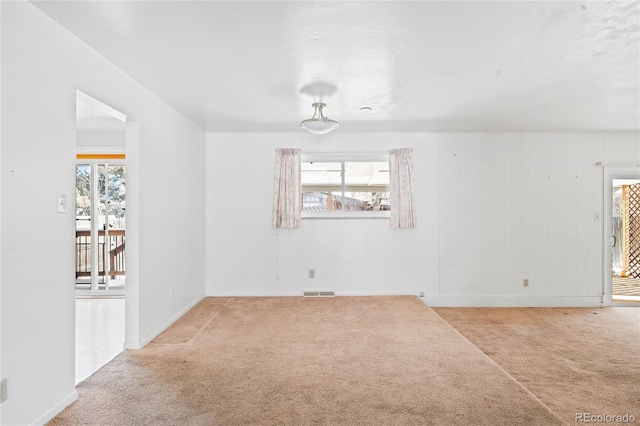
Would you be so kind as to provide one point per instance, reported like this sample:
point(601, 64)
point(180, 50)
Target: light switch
point(61, 198)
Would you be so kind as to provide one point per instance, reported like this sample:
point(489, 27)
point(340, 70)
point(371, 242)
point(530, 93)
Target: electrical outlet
point(525, 282)
point(171, 295)
point(3, 390)
point(312, 273)
point(422, 294)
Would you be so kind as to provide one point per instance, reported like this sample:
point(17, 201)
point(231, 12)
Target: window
point(335, 185)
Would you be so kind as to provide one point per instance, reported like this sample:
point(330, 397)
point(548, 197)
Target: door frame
point(95, 291)
point(611, 172)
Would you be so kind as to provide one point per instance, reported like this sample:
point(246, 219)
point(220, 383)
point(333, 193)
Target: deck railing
point(116, 254)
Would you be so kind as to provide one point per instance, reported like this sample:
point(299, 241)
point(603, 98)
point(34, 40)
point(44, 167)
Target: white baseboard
point(231, 294)
point(56, 409)
point(300, 294)
point(514, 301)
point(460, 301)
point(148, 338)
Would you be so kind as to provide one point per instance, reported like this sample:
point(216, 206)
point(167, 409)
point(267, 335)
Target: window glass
point(366, 186)
point(345, 186)
point(321, 186)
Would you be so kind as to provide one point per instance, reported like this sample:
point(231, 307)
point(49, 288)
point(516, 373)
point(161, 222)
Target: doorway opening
point(100, 234)
point(625, 241)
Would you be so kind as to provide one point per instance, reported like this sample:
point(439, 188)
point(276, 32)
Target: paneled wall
point(493, 209)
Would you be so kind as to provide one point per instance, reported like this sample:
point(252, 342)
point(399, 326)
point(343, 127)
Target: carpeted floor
point(575, 360)
point(297, 361)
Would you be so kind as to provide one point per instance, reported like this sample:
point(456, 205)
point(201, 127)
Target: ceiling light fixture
point(318, 124)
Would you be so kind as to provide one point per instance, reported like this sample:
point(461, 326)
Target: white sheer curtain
point(287, 201)
point(401, 179)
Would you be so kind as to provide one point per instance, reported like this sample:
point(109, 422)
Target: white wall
point(492, 209)
point(42, 66)
point(101, 138)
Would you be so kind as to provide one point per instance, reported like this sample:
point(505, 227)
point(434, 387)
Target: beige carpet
point(574, 360)
point(296, 361)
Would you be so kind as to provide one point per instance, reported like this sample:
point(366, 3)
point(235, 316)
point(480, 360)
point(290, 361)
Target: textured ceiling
point(420, 66)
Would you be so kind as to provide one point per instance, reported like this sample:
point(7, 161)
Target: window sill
point(347, 215)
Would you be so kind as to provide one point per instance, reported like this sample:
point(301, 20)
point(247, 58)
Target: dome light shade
point(318, 124)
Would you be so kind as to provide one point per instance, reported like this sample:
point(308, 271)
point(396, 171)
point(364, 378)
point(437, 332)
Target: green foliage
point(116, 190)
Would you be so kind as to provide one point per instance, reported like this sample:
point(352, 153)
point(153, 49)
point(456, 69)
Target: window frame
point(342, 158)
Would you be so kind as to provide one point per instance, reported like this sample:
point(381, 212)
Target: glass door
point(625, 241)
point(100, 229)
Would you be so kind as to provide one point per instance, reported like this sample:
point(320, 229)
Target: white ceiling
point(421, 66)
